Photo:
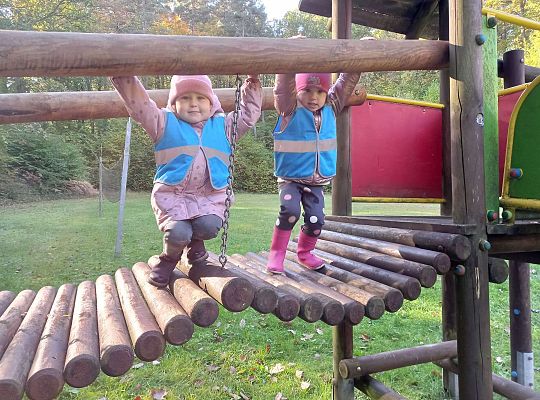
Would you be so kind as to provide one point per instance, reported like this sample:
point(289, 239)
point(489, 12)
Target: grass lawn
point(244, 354)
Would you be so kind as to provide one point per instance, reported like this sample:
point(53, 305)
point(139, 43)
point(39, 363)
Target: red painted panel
point(396, 150)
point(506, 106)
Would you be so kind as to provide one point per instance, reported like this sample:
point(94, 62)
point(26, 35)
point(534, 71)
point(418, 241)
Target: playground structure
point(457, 245)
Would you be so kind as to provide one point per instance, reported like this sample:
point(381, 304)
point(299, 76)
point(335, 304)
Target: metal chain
point(230, 178)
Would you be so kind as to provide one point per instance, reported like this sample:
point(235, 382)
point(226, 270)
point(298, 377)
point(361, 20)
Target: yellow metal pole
point(511, 18)
point(404, 101)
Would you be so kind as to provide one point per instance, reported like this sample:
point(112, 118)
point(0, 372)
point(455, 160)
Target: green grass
point(50, 243)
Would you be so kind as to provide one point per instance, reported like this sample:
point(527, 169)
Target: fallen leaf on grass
point(232, 370)
point(242, 323)
point(138, 365)
point(305, 385)
point(299, 374)
point(273, 379)
point(280, 396)
point(244, 397)
point(155, 362)
point(319, 331)
point(365, 337)
point(276, 369)
point(158, 394)
point(212, 368)
point(307, 336)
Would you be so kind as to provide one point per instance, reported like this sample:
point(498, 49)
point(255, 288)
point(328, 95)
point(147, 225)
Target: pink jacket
point(194, 196)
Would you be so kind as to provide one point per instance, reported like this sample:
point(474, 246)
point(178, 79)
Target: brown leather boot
point(162, 267)
point(196, 251)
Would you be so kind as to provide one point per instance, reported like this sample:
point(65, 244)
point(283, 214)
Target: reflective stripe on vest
point(297, 147)
point(179, 145)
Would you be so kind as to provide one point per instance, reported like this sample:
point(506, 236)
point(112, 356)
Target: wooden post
point(521, 352)
point(342, 183)
point(466, 100)
point(342, 334)
point(519, 272)
point(444, 98)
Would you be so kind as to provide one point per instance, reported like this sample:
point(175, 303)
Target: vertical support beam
point(520, 324)
point(342, 346)
point(342, 183)
point(513, 68)
point(491, 115)
point(467, 120)
point(519, 272)
point(342, 335)
point(449, 325)
point(444, 98)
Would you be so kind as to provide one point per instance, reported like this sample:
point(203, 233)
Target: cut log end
point(45, 384)
point(333, 313)
point(287, 308)
point(116, 360)
point(179, 330)
point(375, 308)
point(10, 389)
point(265, 301)
point(205, 312)
point(354, 312)
point(150, 346)
point(82, 370)
point(237, 295)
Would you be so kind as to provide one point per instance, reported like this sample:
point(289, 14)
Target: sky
point(276, 9)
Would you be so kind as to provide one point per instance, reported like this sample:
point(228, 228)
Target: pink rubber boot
point(307, 243)
point(280, 238)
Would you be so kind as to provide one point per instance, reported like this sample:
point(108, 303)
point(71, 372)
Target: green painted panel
point(491, 127)
point(526, 145)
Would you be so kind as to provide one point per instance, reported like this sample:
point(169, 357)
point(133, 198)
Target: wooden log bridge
point(59, 54)
point(69, 335)
point(63, 106)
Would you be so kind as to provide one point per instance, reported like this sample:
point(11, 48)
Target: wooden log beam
point(408, 286)
point(426, 275)
point(456, 246)
point(147, 339)
point(333, 310)
point(498, 270)
point(174, 322)
point(393, 298)
point(373, 305)
point(311, 308)
point(63, 106)
point(514, 243)
point(421, 19)
point(502, 386)
point(13, 316)
point(201, 308)
point(6, 297)
point(359, 366)
point(354, 311)
point(115, 349)
point(82, 357)
point(234, 293)
point(16, 361)
point(45, 380)
point(375, 389)
point(439, 261)
point(59, 54)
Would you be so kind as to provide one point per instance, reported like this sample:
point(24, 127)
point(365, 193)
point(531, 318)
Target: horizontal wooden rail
point(62, 106)
point(99, 54)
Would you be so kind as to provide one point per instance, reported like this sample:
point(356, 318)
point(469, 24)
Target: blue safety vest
point(180, 143)
point(298, 147)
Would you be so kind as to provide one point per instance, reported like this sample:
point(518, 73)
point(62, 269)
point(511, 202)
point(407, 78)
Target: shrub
point(45, 162)
point(254, 167)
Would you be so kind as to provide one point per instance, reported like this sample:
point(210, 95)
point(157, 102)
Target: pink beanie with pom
point(181, 84)
point(321, 81)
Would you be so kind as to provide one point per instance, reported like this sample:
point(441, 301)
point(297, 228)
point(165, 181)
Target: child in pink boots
point(191, 146)
point(305, 157)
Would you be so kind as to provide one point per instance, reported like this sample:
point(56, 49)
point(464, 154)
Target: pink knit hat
point(181, 84)
point(321, 81)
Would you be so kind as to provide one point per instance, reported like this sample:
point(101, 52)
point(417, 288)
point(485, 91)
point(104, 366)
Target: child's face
point(193, 107)
point(312, 98)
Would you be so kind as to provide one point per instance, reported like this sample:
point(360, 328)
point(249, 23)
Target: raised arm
point(139, 105)
point(250, 106)
point(285, 94)
point(341, 90)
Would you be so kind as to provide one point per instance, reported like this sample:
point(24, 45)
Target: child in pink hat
point(305, 154)
point(192, 146)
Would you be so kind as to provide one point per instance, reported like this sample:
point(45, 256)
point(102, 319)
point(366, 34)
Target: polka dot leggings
point(291, 195)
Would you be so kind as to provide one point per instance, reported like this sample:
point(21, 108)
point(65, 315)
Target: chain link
point(230, 178)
